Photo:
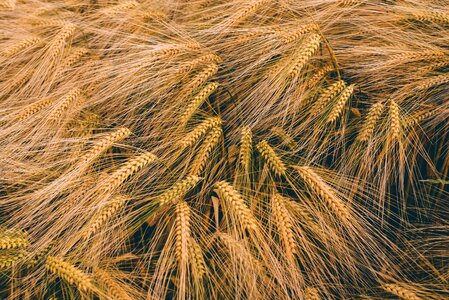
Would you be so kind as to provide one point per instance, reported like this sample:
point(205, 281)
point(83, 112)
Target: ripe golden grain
point(284, 225)
point(69, 273)
point(271, 158)
point(370, 122)
point(237, 206)
point(339, 106)
point(192, 137)
point(182, 225)
point(210, 142)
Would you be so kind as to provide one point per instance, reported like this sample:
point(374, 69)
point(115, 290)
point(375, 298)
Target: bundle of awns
point(224, 149)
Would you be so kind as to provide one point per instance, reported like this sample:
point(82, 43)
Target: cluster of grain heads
point(300, 145)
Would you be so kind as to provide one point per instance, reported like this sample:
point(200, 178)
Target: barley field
point(224, 149)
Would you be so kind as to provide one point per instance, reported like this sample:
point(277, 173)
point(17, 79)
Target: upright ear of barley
point(246, 145)
point(75, 95)
point(211, 141)
point(319, 187)
point(105, 214)
point(341, 102)
point(207, 58)
point(131, 167)
point(248, 10)
point(395, 121)
point(113, 288)
point(229, 195)
point(400, 291)
point(271, 158)
point(306, 52)
point(9, 260)
point(197, 259)
point(59, 41)
point(284, 136)
point(432, 17)
point(182, 224)
point(312, 294)
point(72, 59)
point(178, 190)
point(291, 36)
point(327, 95)
point(33, 108)
point(192, 137)
point(433, 81)
point(22, 45)
point(371, 119)
point(69, 273)
point(319, 75)
point(104, 143)
point(284, 225)
point(197, 101)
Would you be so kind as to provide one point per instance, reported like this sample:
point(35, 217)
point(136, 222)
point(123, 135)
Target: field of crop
point(224, 149)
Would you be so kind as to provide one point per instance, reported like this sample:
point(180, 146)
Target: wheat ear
point(13, 240)
point(319, 187)
point(8, 4)
point(178, 190)
point(197, 258)
point(106, 213)
point(59, 41)
point(432, 17)
point(400, 291)
point(433, 81)
point(182, 231)
point(210, 142)
point(370, 122)
point(104, 143)
point(33, 108)
point(229, 195)
point(192, 137)
point(285, 225)
point(306, 52)
point(395, 121)
point(198, 100)
point(271, 158)
point(69, 273)
point(284, 136)
point(16, 48)
point(200, 78)
point(9, 260)
point(246, 145)
point(418, 117)
point(319, 75)
point(39, 256)
point(72, 59)
point(72, 97)
point(291, 36)
point(127, 170)
point(312, 294)
point(247, 10)
point(207, 58)
point(339, 106)
point(327, 95)
point(113, 288)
